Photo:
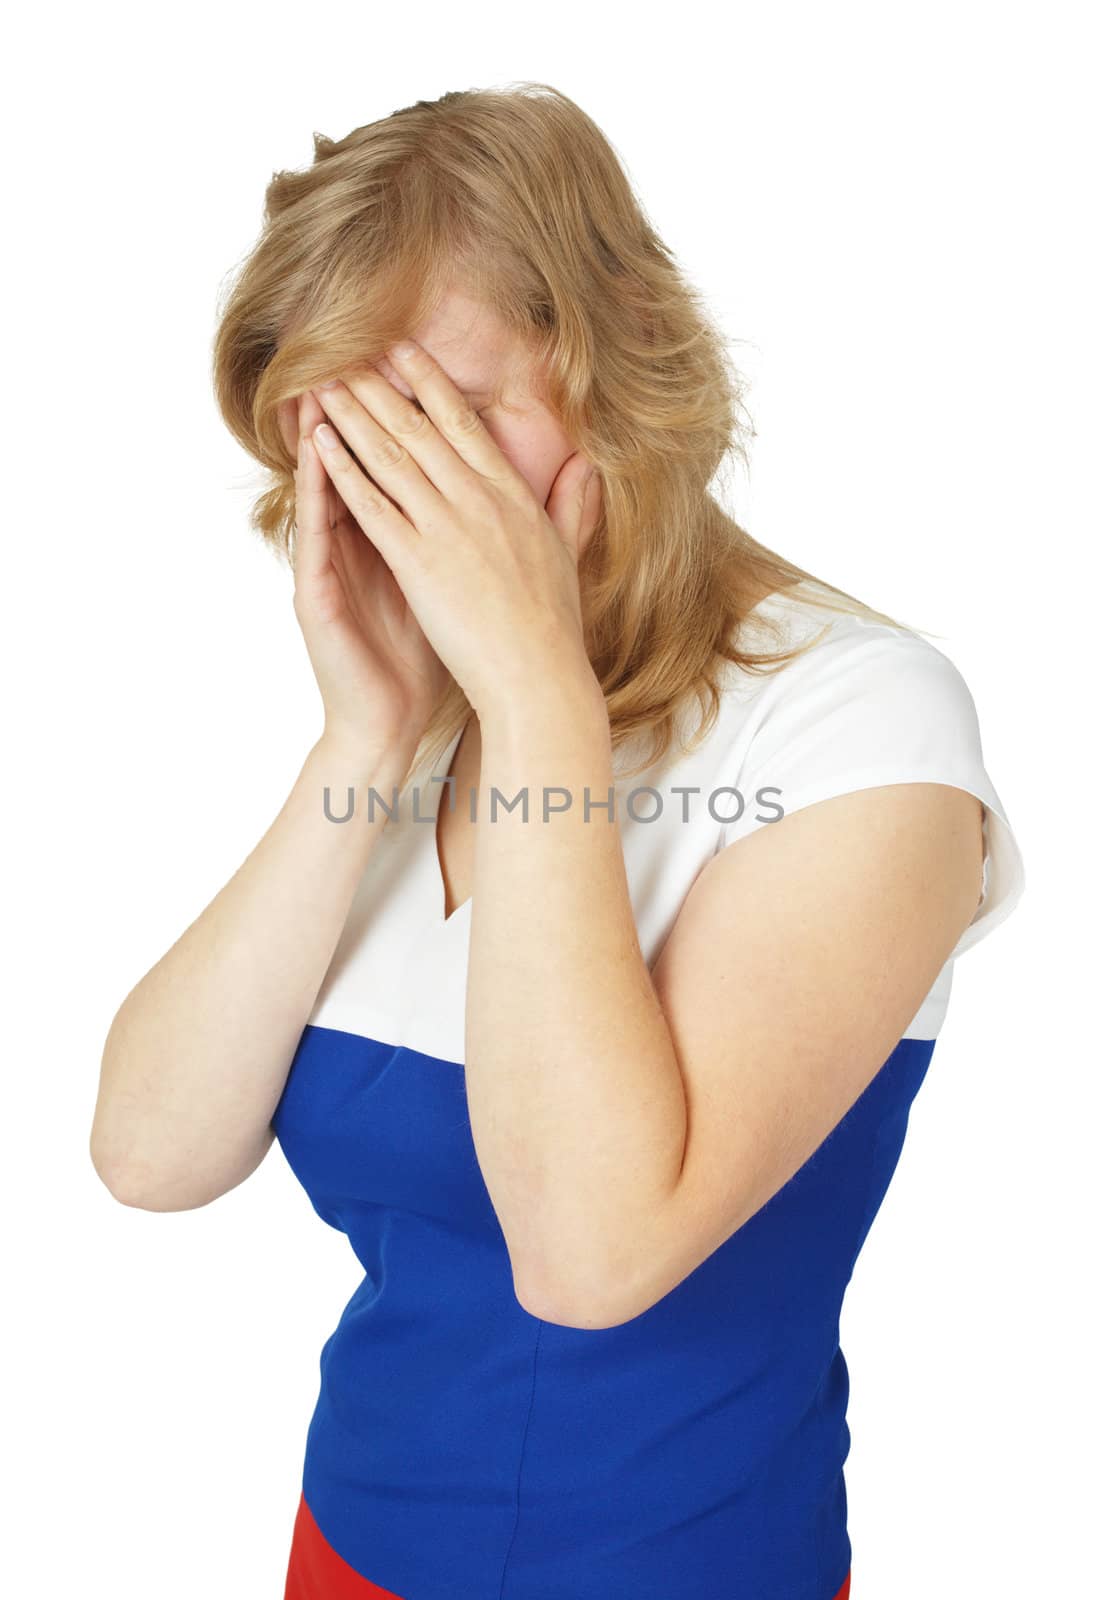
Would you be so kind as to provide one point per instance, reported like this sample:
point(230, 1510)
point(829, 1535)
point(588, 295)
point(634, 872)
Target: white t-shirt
point(867, 705)
point(695, 1450)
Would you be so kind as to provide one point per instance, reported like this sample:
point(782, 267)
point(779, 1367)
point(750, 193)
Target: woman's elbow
point(130, 1189)
point(147, 1188)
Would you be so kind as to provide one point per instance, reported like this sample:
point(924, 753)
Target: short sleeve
point(869, 707)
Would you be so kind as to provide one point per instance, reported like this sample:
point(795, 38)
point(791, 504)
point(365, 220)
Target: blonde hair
point(517, 194)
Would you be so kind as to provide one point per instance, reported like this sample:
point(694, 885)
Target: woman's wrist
point(549, 714)
point(364, 762)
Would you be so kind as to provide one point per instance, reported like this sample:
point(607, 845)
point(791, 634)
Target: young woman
point(605, 1092)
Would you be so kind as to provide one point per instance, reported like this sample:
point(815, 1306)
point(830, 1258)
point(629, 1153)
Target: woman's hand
point(489, 572)
point(379, 677)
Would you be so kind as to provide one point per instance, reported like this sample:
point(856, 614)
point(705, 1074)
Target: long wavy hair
point(517, 194)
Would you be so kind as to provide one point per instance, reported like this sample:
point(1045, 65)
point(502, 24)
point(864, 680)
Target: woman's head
point(516, 202)
point(493, 368)
point(499, 229)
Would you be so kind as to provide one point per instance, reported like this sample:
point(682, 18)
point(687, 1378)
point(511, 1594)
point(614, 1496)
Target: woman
point(605, 1097)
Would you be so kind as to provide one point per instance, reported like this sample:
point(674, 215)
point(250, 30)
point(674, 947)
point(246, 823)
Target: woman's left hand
point(490, 574)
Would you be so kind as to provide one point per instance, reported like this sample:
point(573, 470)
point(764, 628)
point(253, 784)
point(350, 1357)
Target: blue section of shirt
point(462, 1449)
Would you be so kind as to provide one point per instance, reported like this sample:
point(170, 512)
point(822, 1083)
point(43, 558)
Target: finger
point(591, 508)
point(450, 459)
point(453, 416)
point(290, 417)
point(377, 516)
point(391, 461)
point(412, 459)
point(287, 413)
point(575, 504)
point(310, 415)
point(313, 537)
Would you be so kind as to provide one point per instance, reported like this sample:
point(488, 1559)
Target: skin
point(626, 1122)
point(703, 1086)
point(197, 1054)
point(474, 348)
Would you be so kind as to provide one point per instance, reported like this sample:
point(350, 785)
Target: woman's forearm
point(197, 1055)
point(576, 1101)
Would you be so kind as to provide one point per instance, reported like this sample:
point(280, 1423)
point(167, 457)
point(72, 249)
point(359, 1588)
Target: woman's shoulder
point(808, 611)
point(813, 652)
point(867, 703)
point(799, 662)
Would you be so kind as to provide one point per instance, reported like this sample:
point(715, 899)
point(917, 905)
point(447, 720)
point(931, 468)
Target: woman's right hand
point(379, 677)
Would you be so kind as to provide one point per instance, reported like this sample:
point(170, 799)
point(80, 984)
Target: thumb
point(575, 502)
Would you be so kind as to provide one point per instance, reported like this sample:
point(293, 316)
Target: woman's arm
point(198, 1053)
point(626, 1123)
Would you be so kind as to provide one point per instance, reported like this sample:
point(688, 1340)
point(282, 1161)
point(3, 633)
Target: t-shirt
point(463, 1449)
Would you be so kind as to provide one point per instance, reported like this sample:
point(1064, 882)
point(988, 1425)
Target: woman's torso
point(462, 1447)
point(455, 827)
point(454, 838)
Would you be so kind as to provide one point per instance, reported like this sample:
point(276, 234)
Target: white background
point(894, 207)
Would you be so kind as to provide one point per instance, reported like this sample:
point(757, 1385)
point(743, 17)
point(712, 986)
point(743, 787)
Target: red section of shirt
point(316, 1572)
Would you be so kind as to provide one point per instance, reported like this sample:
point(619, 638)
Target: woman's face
point(475, 350)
